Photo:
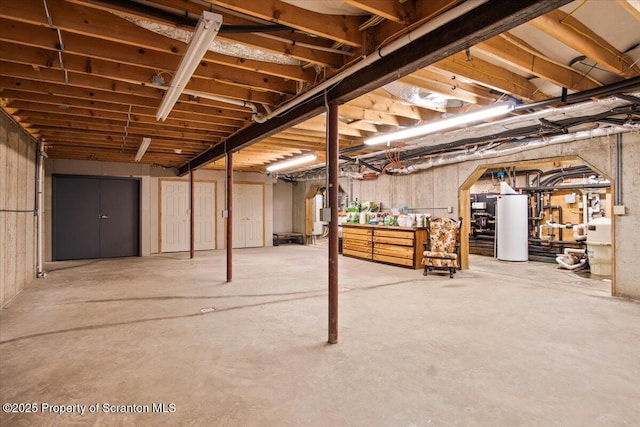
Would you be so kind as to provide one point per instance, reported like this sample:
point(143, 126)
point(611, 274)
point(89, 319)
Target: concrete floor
point(502, 344)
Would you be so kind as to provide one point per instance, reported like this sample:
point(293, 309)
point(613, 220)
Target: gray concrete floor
point(501, 344)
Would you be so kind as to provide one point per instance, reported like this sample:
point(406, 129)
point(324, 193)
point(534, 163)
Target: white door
point(205, 230)
point(175, 216)
point(248, 215)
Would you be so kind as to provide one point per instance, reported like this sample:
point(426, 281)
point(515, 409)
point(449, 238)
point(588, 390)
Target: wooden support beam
point(197, 111)
point(343, 29)
point(575, 34)
point(286, 47)
point(88, 117)
point(137, 114)
point(490, 75)
point(82, 80)
point(319, 124)
point(38, 54)
point(481, 93)
point(420, 12)
point(631, 6)
point(508, 48)
point(372, 116)
point(383, 101)
point(104, 26)
point(447, 91)
point(400, 12)
point(452, 37)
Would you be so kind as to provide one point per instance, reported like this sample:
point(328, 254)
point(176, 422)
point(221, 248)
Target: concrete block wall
point(433, 190)
point(17, 205)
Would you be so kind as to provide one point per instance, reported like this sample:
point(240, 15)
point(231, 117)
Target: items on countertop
point(368, 212)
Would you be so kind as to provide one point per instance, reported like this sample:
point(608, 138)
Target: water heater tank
point(512, 228)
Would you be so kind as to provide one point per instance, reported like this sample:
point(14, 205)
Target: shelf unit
point(402, 246)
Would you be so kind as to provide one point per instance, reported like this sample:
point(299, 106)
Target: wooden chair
point(443, 248)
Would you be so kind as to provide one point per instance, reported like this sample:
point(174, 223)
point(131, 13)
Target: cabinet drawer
point(393, 260)
point(365, 240)
point(356, 246)
point(393, 240)
point(357, 254)
point(356, 231)
point(398, 234)
point(394, 250)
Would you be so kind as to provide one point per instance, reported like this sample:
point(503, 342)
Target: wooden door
point(248, 215)
point(175, 216)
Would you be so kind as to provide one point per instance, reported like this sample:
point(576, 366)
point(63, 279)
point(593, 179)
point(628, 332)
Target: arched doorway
point(556, 185)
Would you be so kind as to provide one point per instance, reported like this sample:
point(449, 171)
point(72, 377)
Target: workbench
point(401, 246)
point(290, 237)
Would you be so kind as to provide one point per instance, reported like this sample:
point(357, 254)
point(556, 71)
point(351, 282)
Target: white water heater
point(318, 204)
point(512, 227)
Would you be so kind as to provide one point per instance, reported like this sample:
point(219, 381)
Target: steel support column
point(192, 216)
point(229, 167)
point(332, 165)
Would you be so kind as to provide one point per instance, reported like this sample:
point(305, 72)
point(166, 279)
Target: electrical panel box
point(570, 198)
point(325, 214)
point(619, 210)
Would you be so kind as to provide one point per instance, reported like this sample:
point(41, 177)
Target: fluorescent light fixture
point(143, 148)
point(293, 162)
point(474, 116)
point(206, 30)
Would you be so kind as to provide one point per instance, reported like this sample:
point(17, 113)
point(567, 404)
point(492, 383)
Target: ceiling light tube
point(143, 148)
point(293, 162)
point(207, 28)
point(440, 125)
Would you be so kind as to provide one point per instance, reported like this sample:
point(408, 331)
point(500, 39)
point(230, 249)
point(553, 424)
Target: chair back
point(443, 235)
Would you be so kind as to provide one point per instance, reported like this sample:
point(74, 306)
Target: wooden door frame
point(464, 201)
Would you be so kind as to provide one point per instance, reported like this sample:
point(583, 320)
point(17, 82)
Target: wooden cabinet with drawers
point(392, 245)
point(356, 241)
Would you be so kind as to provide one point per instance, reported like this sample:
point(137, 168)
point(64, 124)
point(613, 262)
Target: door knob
point(104, 216)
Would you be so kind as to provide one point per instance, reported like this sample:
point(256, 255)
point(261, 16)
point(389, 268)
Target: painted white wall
point(282, 207)
point(150, 193)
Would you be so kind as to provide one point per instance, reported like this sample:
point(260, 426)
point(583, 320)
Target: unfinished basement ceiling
point(81, 78)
